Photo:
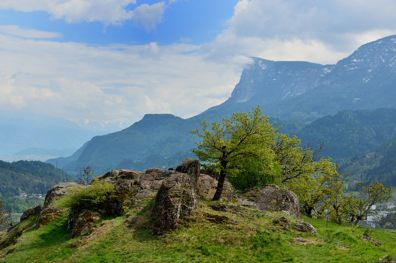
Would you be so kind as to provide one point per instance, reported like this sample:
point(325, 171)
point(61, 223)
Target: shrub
point(91, 197)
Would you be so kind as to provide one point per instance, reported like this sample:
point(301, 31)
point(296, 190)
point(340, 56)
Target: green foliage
point(30, 177)
point(231, 145)
point(91, 196)
point(252, 173)
point(294, 160)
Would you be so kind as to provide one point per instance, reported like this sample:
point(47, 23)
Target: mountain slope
point(295, 92)
point(376, 166)
point(350, 133)
point(26, 177)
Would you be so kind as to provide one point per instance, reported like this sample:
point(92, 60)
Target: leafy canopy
point(234, 145)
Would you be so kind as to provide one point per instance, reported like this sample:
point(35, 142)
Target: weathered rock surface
point(49, 213)
point(82, 222)
point(34, 211)
point(58, 191)
point(304, 227)
point(206, 188)
point(300, 226)
point(134, 185)
point(274, 198)
point(175, 201)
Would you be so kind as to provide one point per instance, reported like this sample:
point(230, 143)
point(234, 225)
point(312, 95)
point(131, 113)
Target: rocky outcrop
point(82, 222)
point(49, 213)
point(133, 185)
point(175, 201)
point(274, 198)
point(34, 211)
point(58, 191)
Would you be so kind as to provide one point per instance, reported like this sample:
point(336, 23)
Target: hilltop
point(231, 230)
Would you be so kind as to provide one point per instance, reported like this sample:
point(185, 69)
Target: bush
point(90, 197)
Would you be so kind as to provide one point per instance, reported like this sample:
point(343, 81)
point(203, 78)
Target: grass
point(247, 235)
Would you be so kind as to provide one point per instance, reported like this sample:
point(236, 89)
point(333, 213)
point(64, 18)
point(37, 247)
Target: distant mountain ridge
point(289, 91)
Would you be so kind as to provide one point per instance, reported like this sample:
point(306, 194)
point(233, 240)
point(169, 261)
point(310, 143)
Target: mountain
point(293, 93)
point(26, 177)
point(350, 133)
point(376, 166)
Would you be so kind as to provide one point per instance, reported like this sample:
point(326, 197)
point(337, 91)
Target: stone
point(82, 222)
point(58, 191)
point(49, 212)
point(34, 211)
point(175, 201)
point(48, 215)
point(304, 227)
point(206, 188)
point(152, 179)
point(126, 184)
point(274, 198)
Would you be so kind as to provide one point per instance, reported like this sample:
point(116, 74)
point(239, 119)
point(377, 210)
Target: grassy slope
point(249, 236)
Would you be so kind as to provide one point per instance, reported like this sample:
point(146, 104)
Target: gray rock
point(206, 188)
point(304, 227)
point(49, 213)
point(58, 191)
point(175, 201)
point(274, 198)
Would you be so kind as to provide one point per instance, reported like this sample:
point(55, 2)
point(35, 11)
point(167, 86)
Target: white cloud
point(16, 31)
point(105, 11)
point(109, 85)
point(149, 16)
point(320, 31)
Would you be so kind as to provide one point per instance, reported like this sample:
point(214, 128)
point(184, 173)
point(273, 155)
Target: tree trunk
point(220, 185)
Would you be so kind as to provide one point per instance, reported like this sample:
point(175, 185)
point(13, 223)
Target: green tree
point(294, 161)
point(229, 145)
point(369, 196)
point(86, 175)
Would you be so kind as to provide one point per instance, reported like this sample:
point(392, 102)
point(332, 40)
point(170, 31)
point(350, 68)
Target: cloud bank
point(104, 11)
point(115, 85)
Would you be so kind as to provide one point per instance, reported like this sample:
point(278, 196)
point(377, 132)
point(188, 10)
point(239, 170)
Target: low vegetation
point(247, 235)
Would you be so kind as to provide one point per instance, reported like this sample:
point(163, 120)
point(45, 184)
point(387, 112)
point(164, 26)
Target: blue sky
point(188, 21)
point(103, 64)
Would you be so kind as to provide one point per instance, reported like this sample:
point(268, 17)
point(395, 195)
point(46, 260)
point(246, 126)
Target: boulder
point(274, 198)
point(82, 222)
point(126, 183)
point(34, 211)
point(206, 188)
point(152, 179)
point(175, 201)
point(49, 213)
point(58, 191)
point(304, 227)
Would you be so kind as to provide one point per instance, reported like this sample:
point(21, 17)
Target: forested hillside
point(23, 182)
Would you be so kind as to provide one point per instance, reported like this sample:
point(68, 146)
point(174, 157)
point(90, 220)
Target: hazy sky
point(108, 62)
